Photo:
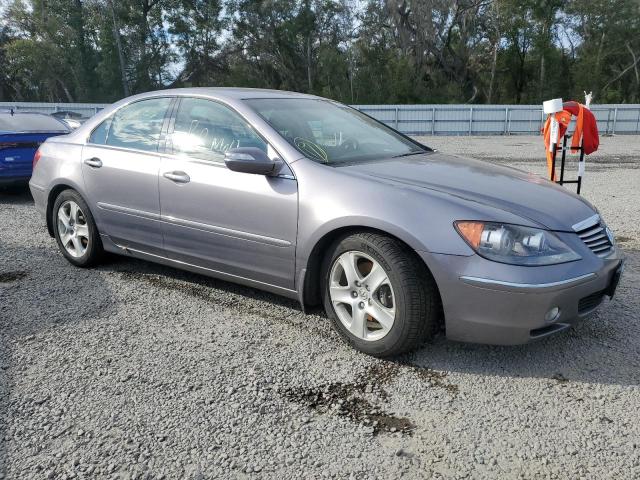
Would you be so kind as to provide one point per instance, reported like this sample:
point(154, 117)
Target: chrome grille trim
point(592, 231)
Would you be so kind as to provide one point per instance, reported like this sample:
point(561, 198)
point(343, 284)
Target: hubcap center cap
point(363, 293)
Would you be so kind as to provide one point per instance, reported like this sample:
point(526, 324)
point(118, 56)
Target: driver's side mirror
point(251, 160)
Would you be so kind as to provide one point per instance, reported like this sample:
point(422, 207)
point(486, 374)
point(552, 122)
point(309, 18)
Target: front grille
point(590, 302)
point(593, 232)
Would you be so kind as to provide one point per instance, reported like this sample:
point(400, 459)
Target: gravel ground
point(134, 370)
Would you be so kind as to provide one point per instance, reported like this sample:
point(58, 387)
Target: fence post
point(396, 118)
point(638, 122)
point(608, 117)
point(506, 121)
point(470, 120)
point(433, 121)
point(615, 119)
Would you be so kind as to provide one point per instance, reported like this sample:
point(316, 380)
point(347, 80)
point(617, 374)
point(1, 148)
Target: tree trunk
point(542, 76)
point(116, 36)
point(309, 80)
point(494, 63)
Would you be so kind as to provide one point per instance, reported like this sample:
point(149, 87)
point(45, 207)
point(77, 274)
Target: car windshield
point(332, 133)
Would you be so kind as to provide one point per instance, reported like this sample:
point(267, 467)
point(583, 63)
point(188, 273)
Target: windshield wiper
point(409, 154)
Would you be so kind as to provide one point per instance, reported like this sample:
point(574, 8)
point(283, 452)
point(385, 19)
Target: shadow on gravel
point(37, 297)
point(238, 298)
point(15, 195)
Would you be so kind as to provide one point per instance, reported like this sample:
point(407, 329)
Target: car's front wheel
point(379, 295)
point(75, 230)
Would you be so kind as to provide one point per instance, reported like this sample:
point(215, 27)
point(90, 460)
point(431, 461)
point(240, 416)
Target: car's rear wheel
point(75, 230)
point(379, 295)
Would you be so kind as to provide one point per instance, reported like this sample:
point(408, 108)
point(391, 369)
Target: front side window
point(138, 125)
point(206, 129)
point(331, 133)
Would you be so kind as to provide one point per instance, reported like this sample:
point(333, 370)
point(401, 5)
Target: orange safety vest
point(585, 133)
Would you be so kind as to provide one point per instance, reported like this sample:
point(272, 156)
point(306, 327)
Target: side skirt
point(112, 247)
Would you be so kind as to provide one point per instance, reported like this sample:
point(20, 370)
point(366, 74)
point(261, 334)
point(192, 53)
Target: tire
point(409, 296)
point(83, 246)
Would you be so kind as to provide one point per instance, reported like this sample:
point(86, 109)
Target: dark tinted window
point(99, 135)
point(138, 125)
point(205, 129)
point(30, 122)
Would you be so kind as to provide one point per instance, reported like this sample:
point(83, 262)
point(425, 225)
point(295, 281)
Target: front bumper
point(508, 306)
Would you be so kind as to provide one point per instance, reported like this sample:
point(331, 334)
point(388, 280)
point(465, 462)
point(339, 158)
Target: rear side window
point(100, 133)
point(138, 125)
point(206, 130)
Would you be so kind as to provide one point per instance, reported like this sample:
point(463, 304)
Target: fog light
point(552, 315)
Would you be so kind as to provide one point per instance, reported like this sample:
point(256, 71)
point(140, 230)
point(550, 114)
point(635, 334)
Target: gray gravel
point(134, 370)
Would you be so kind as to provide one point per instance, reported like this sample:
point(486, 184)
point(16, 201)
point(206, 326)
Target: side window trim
point(167, 117)
point(167, 126)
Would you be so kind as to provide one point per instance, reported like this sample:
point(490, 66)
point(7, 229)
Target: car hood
point(518, 192)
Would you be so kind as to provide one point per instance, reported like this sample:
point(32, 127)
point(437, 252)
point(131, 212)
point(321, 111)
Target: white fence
point(434, 119)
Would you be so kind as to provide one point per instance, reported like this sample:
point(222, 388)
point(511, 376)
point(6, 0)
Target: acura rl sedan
point(313, 200)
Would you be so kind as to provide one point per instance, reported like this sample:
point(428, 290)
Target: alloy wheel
point(362, 295)
point(73, 228)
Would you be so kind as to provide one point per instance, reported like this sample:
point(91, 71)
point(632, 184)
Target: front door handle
point(178, 177)
point(94, 162)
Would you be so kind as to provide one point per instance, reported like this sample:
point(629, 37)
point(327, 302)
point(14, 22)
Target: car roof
point(231, 93)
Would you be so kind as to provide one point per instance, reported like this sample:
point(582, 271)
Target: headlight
point(515, 244)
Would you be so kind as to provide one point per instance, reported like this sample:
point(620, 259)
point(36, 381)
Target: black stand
point(563, 149)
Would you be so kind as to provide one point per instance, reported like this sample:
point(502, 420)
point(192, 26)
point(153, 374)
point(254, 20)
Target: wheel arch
point(56, 190)
point(309, 276)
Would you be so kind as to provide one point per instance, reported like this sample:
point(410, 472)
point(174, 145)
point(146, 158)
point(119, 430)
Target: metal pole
point(396, 118)
point(580, 167)
point(564, 153)
point(615, 119)
point(470, 120)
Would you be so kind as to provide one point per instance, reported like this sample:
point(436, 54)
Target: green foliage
point(368, 51)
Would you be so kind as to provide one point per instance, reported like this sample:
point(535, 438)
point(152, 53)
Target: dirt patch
point(347, 399)
point(344, 399)
point(9, 277)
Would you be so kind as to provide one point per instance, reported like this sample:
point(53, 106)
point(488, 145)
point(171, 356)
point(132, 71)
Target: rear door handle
point(93, 162)
point(178, 177)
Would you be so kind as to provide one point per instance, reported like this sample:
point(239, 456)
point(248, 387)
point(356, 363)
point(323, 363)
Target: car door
point(240, 224)
point(120, 170)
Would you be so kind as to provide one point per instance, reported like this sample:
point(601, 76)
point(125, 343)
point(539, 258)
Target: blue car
point(20, 136)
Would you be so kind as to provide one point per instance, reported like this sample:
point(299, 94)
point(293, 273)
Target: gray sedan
point(311, 199)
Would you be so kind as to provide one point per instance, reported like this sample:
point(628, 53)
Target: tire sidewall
point(398, 330)
point(94, 241)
